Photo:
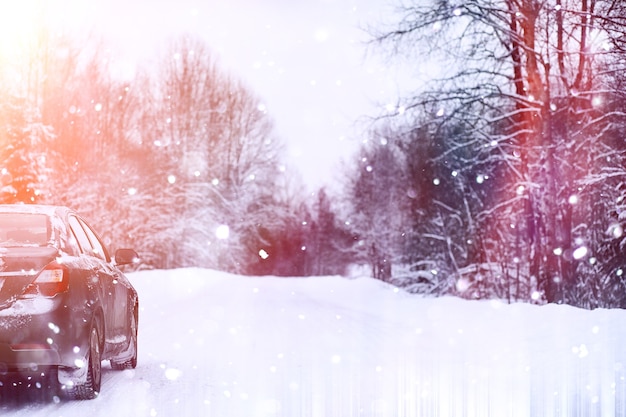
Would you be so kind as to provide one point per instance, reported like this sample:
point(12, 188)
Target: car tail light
point(52, 280)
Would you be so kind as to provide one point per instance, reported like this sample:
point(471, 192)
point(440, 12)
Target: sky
point(305, 59)
point(215, 344)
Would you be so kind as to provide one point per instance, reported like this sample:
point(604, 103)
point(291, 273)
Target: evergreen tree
point(24, 167)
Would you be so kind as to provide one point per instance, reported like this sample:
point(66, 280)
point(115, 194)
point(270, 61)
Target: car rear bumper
point(35, 334)
point(32, 358)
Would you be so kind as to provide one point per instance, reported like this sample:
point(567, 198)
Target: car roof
point(49, 210)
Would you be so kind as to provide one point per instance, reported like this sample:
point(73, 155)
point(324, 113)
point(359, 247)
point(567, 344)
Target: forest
point(503, 177)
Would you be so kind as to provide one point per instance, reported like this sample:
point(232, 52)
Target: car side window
point(81, 237)
point(69, 243)
point(98, 247)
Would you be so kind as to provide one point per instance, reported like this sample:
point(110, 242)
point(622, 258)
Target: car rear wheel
point(132, 362)
point(89, 389)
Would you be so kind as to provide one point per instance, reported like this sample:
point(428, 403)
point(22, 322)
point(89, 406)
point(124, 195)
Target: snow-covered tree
point(530, 82)
point(328, 242)
point(380, 197)
point(24, 168)
point(211, 160)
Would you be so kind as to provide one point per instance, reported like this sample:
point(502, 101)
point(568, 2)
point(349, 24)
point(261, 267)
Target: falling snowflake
point(222, 232)
point(172, 374)
point(580, 253)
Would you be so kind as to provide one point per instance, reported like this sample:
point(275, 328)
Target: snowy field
point(213, 344)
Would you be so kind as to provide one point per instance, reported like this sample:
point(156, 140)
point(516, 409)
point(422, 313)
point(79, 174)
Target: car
point(65, 306)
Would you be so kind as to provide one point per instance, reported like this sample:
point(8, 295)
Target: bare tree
point(214, 159)
point(530, 80)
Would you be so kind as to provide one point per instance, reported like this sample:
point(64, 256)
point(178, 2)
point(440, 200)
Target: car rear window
point(24, 229)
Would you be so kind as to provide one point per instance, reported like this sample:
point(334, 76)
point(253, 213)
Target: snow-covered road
point(213, 344)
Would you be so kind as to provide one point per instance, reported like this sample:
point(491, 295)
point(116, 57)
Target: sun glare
point(19, 24)
point(22, 22)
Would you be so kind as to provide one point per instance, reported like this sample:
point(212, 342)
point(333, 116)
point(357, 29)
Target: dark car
point(64, 304)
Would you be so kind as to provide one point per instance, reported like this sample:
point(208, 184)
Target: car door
point(113, 295)
point(118, 300)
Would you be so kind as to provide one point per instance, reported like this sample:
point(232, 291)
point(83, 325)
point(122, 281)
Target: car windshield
point(24, 229)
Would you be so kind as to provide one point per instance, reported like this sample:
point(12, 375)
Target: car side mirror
point(126, 257)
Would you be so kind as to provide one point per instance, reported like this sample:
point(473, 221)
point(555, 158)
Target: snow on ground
point(213, 344)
